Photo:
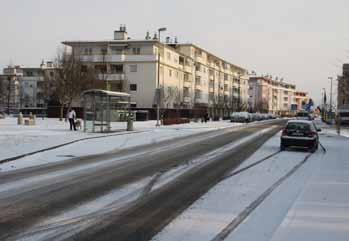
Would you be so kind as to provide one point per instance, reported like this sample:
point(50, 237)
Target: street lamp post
point(239, 90)
point(158, 85)
point(331, 78)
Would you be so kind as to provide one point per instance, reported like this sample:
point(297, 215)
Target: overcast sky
point(303, 41)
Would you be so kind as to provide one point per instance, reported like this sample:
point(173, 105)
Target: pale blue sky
point(304, 41)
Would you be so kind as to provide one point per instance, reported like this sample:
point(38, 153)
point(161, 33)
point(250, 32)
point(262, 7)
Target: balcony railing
point(117, 58)
point(111, 77)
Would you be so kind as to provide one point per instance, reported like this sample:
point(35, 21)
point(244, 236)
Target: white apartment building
point(26, 86)
point(268, 95)
point(191, 79)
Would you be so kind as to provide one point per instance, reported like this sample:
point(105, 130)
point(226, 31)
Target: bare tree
point(262, 106)
point(70, 78)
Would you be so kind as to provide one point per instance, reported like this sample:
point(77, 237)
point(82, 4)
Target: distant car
point(257, 116)
point(240, 117)
point(300, 133)
point(303, 115)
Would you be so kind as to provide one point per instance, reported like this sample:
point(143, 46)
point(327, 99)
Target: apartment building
point(343, 89)
point(27, 86)
point(190, 78)
point(268, 95)
point(301, 98)
point(10, 89)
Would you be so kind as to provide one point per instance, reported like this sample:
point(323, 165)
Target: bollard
point(20, 119)
point(130, 123)
point(34, 120)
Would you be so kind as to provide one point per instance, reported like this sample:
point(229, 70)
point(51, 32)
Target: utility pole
point(331, 78)
point(8, 94)
point(158, 85)
point(239, 90)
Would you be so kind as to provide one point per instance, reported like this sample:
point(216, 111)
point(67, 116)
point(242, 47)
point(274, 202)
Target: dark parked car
point(300, 133)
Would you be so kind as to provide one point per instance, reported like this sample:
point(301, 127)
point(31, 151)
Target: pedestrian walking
point(71, 117)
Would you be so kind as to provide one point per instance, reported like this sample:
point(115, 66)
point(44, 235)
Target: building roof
point(215, 56)
point(153, 41)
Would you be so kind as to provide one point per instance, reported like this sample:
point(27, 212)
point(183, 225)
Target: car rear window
point(302, 114)
point(298, 126)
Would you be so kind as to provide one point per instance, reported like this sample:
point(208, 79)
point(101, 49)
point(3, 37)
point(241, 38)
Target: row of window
point(114, 50)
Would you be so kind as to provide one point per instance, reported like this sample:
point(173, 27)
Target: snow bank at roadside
point(16, 140)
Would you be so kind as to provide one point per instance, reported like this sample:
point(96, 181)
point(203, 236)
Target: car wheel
point(282, 147)
point(313, 148)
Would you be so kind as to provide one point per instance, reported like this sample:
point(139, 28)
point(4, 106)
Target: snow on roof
point(106, 92)
point(300, 121)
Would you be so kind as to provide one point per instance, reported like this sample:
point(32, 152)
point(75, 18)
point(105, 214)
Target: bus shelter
point(101, 107)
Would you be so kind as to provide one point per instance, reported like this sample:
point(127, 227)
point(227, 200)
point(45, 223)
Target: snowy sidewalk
point(321, 212)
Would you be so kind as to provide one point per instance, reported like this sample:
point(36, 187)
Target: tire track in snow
point(250, 208)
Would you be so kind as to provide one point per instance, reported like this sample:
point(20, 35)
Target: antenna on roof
point(155, 36)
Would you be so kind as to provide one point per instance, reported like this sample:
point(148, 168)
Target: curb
point(64, 144)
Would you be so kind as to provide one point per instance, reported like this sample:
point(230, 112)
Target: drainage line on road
point(250, 208)
point(61, 145)
point(323, 148)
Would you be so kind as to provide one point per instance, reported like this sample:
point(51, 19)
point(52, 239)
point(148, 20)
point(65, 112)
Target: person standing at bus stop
point(71, 117)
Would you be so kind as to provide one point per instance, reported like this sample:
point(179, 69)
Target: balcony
point(187, 99)
point(117, 58)
point(187, 83)
point(111, 77)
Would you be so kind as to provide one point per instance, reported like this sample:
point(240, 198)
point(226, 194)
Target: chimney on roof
point(168, 40)
point(147, 37)
point(121, 34)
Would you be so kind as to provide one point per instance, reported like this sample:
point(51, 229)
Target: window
point(186, 77)
point(51, 73)
point(170, 72)
point(198, 80)
point(117, 50)
point(181, 60)
point(198, 53)
point(101, 68)
point(86, 51)
point(168, 55)
point(197, 94)
point(104, 51)
point(90, 51)
point(177, 74)
point(133, 68)
point(117, 68)
point(133, 87)
point(83, 69)
point(197, 67)
point(225, 76)
point(136, 51)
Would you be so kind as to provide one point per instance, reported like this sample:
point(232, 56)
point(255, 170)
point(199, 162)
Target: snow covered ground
point(312, 204)
point(16, 140)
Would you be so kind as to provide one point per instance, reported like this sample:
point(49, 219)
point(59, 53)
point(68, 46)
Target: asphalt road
point(30, 196)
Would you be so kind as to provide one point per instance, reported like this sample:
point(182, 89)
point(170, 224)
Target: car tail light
point(312, 134)
point(284, 132)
